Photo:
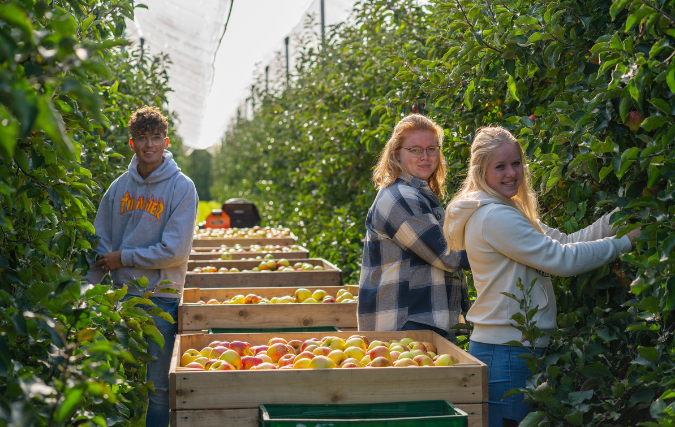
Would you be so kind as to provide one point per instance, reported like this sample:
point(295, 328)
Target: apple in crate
point(243, 348)
point(380, 362)
point(232, 357)
point(194, 365)
point(247, 362)
point(321, 362)
point(189, 356)
point(379, 351)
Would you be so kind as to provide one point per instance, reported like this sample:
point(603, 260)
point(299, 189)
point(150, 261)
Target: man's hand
point(110, 261)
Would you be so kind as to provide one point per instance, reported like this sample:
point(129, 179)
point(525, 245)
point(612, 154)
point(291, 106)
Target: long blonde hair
point(388, 167)
point(487, 139)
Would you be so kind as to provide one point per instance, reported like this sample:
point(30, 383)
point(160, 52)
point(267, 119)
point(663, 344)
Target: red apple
point(322, 351)
point(287, 359)
point(277, 350)
point(430, 347)
point(219, 350)
point(276, 340)
point(380, 362)
point(296, 344)
point(247, 362)
point(252, 299)
point(264, 365)
point(634, 119)
point(305, 355)
point(379, 351)
point(243, 348)
point(194, 365)
point(221, 365)
point(417, 345)
point(423, 360)
point(214, 344)
point(258, 348)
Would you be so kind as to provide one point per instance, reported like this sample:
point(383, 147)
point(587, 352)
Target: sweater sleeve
point(103, 228)
point(598, 230)
point(508, 232)
point(176, 241)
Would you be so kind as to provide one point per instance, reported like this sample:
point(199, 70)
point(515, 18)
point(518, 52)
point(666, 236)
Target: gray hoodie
point(152, 222)
point(503, 247)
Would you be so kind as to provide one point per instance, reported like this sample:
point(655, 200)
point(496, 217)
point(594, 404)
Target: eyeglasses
point(155, 139)
point(417, 151)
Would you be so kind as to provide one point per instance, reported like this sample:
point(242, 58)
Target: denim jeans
point(505, 371)
point(158, 369)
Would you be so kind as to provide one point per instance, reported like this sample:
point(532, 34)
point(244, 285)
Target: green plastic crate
point(430, 413)
point(270, 330)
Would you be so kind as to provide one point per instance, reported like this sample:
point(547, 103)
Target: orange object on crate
point(217, 219)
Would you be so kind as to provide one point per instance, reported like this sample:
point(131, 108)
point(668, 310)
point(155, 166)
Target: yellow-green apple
point(417, 345)
point(341, 291)
point(356, 342)
point(213, 301)
point(431, 354)
point(189, 356)
point(344, 296)
point(335, 343)
point(442, 360)
point(321, 362)
point(398, 347)
point(307, 266)
point(277, 340)
point(337, 356)
point(291, 349)
point(238, 299)
point(366, 360)
point(262, 366)
point(263, 266)
point(424, 360)
point(379, 351)
point(301, 363)
point(402, 363)
point(302, 294)
point(283, 262)
point(405, 341)
point(363, 337)
point(380, 362)
point(430, 347)
point(296, 344)
point(318, 267)
point(287, 299)
point(286, 367)
point(194, 365)
point(214, 344)
point(247, 362)
point(406, 355)
point(277, 350)
point(200, 302)
point(202, 360)
point(226, 256)
point(271, 264)
point(232, 357)
point(351, 361)
point(309, 300)
point(223, 270)
point(319, 294)
point(322, 351)
point(265, 357)
point(241, 347)
point(252, 299)
point(375, 343)
point(287, 359)
point(311, 347)
point(453, 360)
point(206, 352)
point(355, 352)
point(221, 365)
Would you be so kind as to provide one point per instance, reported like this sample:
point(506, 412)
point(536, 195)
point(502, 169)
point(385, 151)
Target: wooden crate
point(329, 276)
point(232, 397)
point(205, 253)
point(244, 241)
point(196, 317)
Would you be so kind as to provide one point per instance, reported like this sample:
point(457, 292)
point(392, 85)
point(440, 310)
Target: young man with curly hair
point(145, 225)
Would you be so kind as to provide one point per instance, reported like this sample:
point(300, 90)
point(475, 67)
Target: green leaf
point(72, 401)
point(16, 17)
point(532, 419)
point(641, 395)
point(649, 353)
point(617, 7)
point(468, 96)
point(512, 87)
point(661, 105)
point(625, 108)
point(655, 122)
point(154, 334)
point(527, 19)
point(85, 225)
point(52, 124)
point(670, 77)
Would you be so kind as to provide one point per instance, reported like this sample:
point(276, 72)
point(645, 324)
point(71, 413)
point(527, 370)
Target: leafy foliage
point(69, 353)
point(587, 87)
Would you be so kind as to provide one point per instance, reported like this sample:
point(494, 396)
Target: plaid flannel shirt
point(407, 272)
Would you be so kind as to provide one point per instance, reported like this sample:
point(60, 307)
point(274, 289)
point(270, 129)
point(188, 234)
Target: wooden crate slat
point(330, 276)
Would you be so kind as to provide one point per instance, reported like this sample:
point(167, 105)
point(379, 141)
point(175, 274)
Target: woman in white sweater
point(494, 217)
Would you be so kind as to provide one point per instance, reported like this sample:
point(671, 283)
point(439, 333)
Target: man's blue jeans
point(158, 369)
point(505, 371)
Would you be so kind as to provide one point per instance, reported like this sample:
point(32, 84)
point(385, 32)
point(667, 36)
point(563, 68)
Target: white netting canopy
point(210, 83)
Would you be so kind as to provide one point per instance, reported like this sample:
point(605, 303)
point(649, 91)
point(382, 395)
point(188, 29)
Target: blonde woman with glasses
point(409, 280)
point(495, 216)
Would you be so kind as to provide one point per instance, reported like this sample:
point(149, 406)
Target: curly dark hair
point(148, 120)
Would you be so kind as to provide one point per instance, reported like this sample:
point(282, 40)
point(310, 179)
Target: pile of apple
point(226, 252)
point(265, 266)
point(327, 353)
point(253, 232)
point(301, 296)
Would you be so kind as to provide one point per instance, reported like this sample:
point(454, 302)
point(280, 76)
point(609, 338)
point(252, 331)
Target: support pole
point(252, 100)
point(267, 78)
point(323, 24)
point(288, 72)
